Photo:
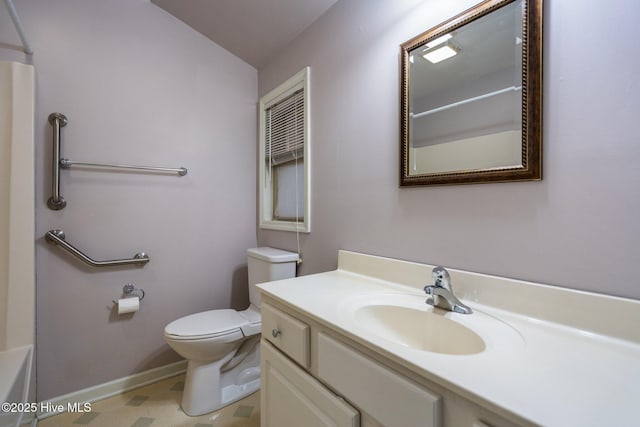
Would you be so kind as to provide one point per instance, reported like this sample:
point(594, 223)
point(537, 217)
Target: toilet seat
point(207, 324)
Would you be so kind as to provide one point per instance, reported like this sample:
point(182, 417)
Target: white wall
point(577, 228)
point(138, 87)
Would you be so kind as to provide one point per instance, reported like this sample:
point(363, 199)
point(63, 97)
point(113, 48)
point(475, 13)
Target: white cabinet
point(291, 397)
point(314, 376)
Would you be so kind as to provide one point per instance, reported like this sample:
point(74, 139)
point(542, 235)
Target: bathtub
point(15, 376)
point(17, 236)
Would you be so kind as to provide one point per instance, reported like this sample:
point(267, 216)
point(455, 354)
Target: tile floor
point(158, 405)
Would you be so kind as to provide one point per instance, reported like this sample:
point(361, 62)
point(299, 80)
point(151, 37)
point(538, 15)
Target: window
point(284, 156)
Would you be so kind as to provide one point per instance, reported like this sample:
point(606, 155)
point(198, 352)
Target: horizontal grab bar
point(57, 237)
point(56, 201)
point(66, 163)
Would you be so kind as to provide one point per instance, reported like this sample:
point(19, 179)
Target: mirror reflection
point(463, 99)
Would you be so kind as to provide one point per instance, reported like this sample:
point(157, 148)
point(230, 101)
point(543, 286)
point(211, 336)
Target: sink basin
point(408, 321)
point(420, 329)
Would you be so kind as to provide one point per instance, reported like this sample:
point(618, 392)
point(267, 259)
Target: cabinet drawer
point(287, 333)
point(391, 399)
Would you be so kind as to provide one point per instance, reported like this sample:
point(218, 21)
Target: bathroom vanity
point(358, 346)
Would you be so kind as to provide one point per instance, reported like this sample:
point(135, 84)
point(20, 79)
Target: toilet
point(222, 347)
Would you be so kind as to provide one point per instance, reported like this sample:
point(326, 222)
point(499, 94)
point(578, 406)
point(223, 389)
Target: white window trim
point(298, 81)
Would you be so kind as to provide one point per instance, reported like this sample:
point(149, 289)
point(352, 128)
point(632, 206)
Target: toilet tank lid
point(266, 253)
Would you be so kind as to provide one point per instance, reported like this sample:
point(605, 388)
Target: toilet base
point(209, 387)
point(233, 393)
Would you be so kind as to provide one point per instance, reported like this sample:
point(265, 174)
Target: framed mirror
point(471, 97)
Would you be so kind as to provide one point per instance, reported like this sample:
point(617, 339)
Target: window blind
point(285, 129)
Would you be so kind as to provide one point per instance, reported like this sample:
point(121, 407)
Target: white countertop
point(553, 374)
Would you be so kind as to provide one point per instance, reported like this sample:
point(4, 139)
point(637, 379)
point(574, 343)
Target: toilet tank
point(267, 264)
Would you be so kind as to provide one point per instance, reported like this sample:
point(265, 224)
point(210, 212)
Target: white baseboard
point(111, 388)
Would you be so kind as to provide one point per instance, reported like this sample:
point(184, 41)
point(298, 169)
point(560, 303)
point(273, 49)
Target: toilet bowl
point(223, 353)
point(222, 346)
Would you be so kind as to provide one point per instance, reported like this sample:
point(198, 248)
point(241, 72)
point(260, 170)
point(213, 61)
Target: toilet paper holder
point(129, 289)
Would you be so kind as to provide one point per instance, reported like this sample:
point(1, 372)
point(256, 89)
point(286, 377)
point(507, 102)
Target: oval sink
point(420, 329)
point(406, 320)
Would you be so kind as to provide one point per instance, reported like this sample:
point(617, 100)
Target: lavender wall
point(140, 87)
point(578, 228)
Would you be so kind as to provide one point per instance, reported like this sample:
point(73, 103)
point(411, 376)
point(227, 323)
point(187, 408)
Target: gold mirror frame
point(531, 167)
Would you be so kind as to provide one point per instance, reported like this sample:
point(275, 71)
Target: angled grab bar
point(57, 237)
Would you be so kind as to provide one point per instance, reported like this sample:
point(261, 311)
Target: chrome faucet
point(441, 293)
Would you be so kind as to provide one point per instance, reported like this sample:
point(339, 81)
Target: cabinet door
point(388, 397)
point(291, 397)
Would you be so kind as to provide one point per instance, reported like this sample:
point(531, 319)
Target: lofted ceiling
point(253, 30)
